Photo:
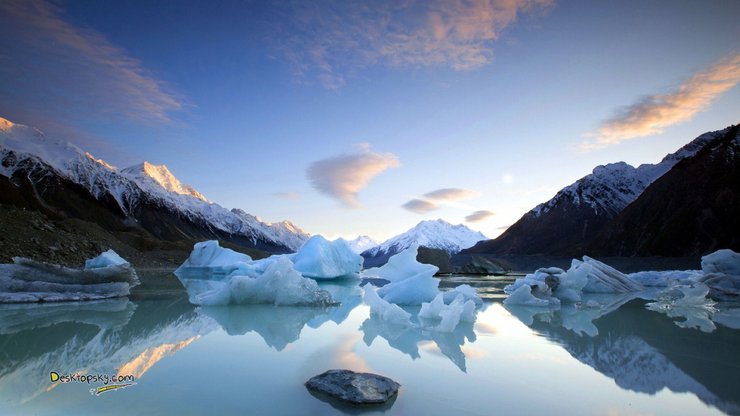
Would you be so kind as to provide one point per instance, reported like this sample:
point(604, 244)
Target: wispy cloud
point(57, 69)
point(334, 39)
point(420, 206)
point(450, 194)
point(479, 216)
point(654, 113)
point(343, 177)
point(435, 199)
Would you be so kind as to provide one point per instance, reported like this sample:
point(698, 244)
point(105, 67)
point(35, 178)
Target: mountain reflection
point(644, 351)
point(113, 336)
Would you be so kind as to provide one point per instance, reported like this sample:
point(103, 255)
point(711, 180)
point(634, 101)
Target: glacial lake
point(253, 360)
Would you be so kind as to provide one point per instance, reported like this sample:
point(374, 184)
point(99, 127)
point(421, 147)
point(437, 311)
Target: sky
point(366, 117)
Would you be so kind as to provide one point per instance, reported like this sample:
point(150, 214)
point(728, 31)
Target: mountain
point(61, 180)
point(691, 210)
point(362, 243)
point(565, 224)
point(437, 234)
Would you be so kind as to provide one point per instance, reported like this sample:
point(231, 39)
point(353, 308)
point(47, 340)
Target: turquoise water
point(254, 359)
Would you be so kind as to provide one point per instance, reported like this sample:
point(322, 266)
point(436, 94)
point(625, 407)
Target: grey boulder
point(355, 388)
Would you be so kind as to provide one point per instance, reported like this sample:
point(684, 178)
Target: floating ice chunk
point(412, 291)
point(603, 278)
point(33, 281)
point(209, 260)
point(523, 296)
point(724, 287)
point(723, 261)
point(665, 278)
point(402, 266)
point(411, 282)
point(689, 302)
point(388, 312)
point(319, 258)
point(280, 284)
point(105, 259)
point(467, 291)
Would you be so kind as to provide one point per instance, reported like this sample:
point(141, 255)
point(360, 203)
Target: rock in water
point(355, 388)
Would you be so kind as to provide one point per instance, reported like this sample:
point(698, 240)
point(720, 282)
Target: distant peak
point(161, 175)
point(100, 161)
point(5, 124)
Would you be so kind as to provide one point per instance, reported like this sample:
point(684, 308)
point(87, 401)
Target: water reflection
point(101, 337)
point(644, 351)
point(407, 339)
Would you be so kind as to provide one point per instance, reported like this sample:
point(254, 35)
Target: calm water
point(255, 359)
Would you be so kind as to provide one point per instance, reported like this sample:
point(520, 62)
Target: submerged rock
point(355, 388)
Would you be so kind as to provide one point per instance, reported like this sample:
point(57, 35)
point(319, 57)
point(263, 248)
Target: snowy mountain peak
point(162, 176)
point(21, 146)
point(5, 124)
point(361, 243)
point(610, 188)
point(438, 234)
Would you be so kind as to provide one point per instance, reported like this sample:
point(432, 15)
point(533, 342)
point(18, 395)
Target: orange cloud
point(654, 113)
point(338, 39)
point(343, 177)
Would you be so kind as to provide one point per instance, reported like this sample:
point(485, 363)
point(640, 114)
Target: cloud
point(450, 194)
point(332, 40)
point(59, 70)
point(479, 216)
point(343, 177)
point(420, 206)
point(654, 113)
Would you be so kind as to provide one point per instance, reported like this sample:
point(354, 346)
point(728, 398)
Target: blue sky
point(345, 117)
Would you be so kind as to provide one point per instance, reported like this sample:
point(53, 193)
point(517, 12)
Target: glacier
point(105, 276)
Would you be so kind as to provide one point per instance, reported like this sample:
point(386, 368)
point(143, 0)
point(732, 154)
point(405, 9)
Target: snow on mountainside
point(22, 145)
point(160, 176)
point(361, 243)
point(610, 188)
point(438, 234)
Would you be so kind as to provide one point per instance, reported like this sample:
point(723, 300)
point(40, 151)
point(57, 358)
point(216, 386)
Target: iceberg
point(551, 286)
point(210, 259)
point(402, 266)
point(319, 258)
point(723, 261)
point(665, 278)
point(602, 278)
point(689, 302)
point(280, 284)
point(411, 282)
point(722, 274)
point(388, 312)
point(105, 276)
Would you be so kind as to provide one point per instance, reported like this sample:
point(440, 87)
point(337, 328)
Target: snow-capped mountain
point(579, 211)
point(158, 176)
point(362, 243)
point(437, 234)
point(137, 192)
